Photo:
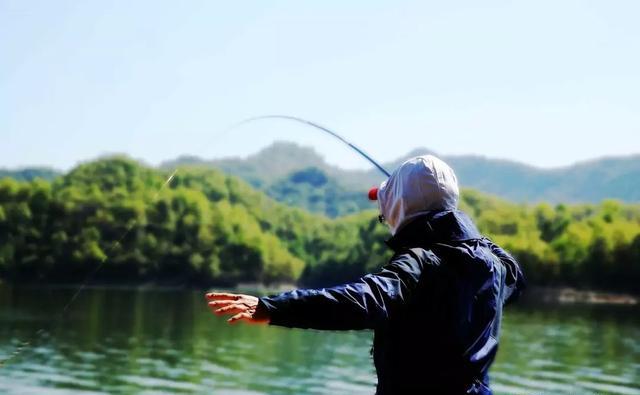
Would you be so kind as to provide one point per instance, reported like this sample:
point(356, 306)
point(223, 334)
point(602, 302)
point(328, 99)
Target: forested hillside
point(210, 228)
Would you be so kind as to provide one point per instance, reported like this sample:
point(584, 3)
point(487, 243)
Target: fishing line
point(27, 344)
point(23, 345)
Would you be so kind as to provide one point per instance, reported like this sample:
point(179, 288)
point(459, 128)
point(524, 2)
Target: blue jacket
point(435, 307)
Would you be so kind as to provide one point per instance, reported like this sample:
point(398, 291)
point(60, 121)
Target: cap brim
point(373, 193)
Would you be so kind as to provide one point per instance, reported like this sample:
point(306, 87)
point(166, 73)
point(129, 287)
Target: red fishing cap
point(373, 193)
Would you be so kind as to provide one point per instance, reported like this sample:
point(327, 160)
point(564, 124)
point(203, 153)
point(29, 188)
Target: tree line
point(206, 227)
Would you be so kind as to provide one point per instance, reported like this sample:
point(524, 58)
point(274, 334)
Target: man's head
point(419, 185)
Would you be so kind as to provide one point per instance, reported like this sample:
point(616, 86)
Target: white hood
point(421, 184)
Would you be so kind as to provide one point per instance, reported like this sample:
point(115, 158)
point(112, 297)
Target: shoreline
point(569, 295)
point(533, 294)
point(152, 286)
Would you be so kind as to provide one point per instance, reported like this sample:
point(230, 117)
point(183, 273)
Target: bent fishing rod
point(319, 127)
point(24, 345)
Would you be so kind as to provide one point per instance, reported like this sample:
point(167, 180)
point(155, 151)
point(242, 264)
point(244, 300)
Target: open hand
point(241, 307)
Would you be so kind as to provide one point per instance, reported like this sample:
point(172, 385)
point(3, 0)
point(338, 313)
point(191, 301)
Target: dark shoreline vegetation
point(208, 228)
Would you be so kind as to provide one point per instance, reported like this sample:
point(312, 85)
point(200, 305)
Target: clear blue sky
point(543, 82)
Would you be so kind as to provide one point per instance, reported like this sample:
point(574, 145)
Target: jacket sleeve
point(363, 304)
point(515, 281)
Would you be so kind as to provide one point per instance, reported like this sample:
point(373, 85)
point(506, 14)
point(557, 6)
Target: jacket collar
point(434, 227)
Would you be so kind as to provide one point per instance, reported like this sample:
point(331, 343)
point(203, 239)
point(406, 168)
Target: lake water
point(166, 341)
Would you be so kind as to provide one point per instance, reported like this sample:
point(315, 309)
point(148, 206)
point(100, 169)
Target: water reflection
point(134, 341)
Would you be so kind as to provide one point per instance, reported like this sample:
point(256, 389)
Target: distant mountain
point(263, 168)
point(584, 182)
point(30, 173)
point(291, 173)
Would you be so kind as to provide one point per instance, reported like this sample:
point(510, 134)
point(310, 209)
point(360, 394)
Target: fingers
point(240, 316)
point(221, 303)
point(241, 307)
point(232, 308)
point(223, 296)
point(219, 300)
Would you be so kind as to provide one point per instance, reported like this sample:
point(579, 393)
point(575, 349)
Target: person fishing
point(435, 308)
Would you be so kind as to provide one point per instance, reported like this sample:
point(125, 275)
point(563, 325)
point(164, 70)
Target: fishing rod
point(27, 344)
point(317, 126)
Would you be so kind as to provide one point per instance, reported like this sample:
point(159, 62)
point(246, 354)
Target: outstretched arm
point(362, 304)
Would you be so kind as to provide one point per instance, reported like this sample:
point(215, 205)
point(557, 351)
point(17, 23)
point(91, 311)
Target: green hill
point(206, 227)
